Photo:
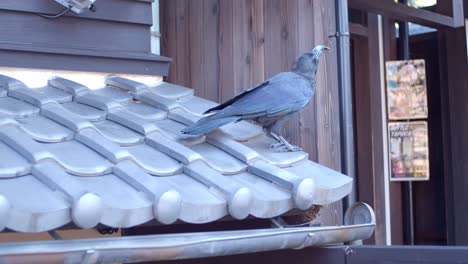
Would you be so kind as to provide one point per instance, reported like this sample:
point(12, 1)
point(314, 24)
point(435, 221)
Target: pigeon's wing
point(232, 100)
point(290, 107)
point(285, 93)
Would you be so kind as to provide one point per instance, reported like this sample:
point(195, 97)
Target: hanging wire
point(56, 15)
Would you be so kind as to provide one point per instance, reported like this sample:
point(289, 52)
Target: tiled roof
point(116, 156)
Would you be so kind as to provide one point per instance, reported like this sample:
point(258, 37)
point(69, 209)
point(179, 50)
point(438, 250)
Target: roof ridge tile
point(166, 200)
point(17, 108)
point(126, 84)
point(63, 116)
point(97, 101)
point(7, 120)
point(8, 83)
point(68, 86)
point(236, 149)
point(172, 148)
point(183, 116)
point(157, 101)
point(172, 91)
point(127, 119)
point(154, 161)
point(13, 164)
point(31, 96)
point(45, 130)
point(303, 189)
point(20, 141)
point(107, 148)
point(239, 197)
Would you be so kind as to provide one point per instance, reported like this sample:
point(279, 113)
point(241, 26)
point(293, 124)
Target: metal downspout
point(404, 54)
point(155, 29)
point(345, 96)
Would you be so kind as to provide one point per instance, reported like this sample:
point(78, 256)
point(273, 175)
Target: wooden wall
point(220, 47)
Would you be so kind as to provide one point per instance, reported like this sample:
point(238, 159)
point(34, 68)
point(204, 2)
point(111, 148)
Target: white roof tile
point(116, 156)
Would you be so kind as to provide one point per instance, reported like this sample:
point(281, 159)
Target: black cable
point(56, 15)
point(306, 224)
point(107, 230)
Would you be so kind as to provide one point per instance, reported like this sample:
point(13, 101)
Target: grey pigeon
point(270, 104)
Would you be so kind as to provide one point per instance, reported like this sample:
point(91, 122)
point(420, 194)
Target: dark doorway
point(428, 197)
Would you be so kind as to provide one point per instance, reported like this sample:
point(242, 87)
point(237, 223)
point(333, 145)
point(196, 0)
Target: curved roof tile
point(116, 156)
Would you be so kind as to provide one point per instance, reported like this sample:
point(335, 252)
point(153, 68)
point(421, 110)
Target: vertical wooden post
point(379, 165)
point(364, 156)
point(455, 129)
point(454, 104)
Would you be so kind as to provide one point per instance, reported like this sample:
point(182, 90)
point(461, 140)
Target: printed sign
point(406, 90)
point(409, 151)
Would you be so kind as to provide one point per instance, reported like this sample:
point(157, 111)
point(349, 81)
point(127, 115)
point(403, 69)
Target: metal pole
point(404, 53)
point(345, 94)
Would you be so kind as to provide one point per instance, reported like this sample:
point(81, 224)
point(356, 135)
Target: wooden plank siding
point(90, 34)
point(221, 47)
point(115, 38)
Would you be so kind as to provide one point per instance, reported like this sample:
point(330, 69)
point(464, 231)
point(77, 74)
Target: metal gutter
point(359, 219)
point(155, 29)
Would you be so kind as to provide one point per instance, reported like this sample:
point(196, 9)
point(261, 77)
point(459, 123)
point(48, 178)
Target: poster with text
point(406, 90)
point(409, 151)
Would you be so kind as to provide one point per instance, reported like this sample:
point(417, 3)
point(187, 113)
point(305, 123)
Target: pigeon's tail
point(209, 123)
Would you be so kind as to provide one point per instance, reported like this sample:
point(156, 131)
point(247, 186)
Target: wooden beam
point(358, 29)
point(403, 12)
point(457, 14)
point(452, 8)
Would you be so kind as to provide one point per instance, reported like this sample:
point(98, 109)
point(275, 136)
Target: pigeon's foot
point(294, 148)
point(281, 147)
point(276, 145)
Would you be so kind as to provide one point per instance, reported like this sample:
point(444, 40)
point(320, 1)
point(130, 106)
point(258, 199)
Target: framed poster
point(409, 151)
point(406, 89)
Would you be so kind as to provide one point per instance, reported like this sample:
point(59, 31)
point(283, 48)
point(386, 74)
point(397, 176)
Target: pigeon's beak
point(320, 49)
